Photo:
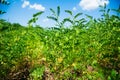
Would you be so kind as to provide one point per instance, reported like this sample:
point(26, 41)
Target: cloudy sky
point(20, 11)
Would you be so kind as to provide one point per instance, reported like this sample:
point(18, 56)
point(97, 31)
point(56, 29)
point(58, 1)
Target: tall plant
point(55, 16)
point(34, 18)
point(73, 20)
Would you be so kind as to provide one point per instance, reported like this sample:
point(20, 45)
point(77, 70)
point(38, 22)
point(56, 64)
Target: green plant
point(74, 20)
point(37, 73)
point(35, 18)
point(88, 50)
point(55, 16)
point(5, 3)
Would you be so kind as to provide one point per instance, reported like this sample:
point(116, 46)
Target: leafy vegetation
point(5, 3)
point(89, 50)
point(34, 19)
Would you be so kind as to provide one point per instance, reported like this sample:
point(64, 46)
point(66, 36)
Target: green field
point(89, 49)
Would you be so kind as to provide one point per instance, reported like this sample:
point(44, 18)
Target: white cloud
point(25, 4)
point(34, 6)
point(37, 7)
point(102, 2)
point(92, 4)
point(74, 8)
point(45, 20)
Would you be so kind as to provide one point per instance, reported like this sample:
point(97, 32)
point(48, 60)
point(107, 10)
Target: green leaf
point(117, 10)
point(104, 5)
point(113, 73)
point(38, 13)
point(102, 10)
point(77, 15)
point(68, 11)
point(53, 18)
point(35, 19)
point(108, 10)
point(30, 21)
point(58, 10)
point(101, 6)
point(2, 12)
point(4, 2)
point(52, 11)
point(67, 19)
point(88, 16)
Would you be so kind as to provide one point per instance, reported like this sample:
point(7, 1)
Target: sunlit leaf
point(102, 10)
point(77, 15)
point(67, 20)
point(2, 12)
point(88, 16)
point(53, 11)
point(68, 11)
point(117, 10)
point(4, 2)
point(37, 14)
point(58, 10)
point(108, 11)
point(53, 18)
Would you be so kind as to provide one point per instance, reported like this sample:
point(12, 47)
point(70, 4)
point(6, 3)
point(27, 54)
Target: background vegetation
point(87, 50)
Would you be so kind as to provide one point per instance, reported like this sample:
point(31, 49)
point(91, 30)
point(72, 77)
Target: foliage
point(74, 20)
point(35, 18)
point(55, 16)
point(5, 3)
point(18, 46)
point(89, 50)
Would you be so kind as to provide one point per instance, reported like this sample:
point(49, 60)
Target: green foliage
point(37, 14)
point(55, 16)
point(58, 11)
point(68, 11)
point(34, 19)
point(73, 20)
point(18, 46)
point(89, 50)
point(77, 15)
point(37, 73)
point(2, 12)
point(5, 3)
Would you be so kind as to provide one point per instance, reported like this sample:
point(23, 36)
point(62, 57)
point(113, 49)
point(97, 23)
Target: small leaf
point(101, 6)
point(38, 13)
point(67, 19)
point(117, 10)
point(117, 17)
point(78, 14)
point(60, 60)
point(68, 11)
point(108, 10)
point(90, 17)
point(2, 12)
point(113, 73)
point(4, 2)
point(104, 5)
point(30, 21)
point(58, 10)
point(53, 18)
point(102, 10)
point(82, 20)
point(52, 11)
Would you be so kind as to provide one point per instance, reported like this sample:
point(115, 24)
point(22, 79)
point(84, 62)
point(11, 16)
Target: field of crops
point(87, 50)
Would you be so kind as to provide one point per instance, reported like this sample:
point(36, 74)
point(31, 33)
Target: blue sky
point(20, 11)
